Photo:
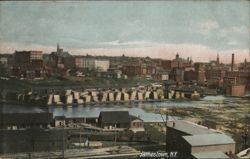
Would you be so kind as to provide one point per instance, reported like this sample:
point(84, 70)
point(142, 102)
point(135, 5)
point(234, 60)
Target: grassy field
point(14, 84)
point(231, 120)
point(61, 82)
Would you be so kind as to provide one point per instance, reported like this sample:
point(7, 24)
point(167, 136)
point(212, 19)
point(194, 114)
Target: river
point(148, 111)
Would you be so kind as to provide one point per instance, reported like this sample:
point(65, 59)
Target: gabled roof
point(60, 117)
point(114, 117)
point(132, 117)
point(208, 139)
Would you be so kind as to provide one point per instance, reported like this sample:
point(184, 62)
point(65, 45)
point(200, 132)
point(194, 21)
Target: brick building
point(235, 90)
point(28, 64)
point(198, 76)
point(28, 59)
point(200, 66)
point(176, 63)
point(239, 77)
point(177, 75)
point(134, 69)
point(213, 73)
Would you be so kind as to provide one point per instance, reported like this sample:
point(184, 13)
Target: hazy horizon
point(197, 29)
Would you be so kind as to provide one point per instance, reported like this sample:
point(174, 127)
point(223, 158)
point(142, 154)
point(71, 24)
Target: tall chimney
point(232, 65)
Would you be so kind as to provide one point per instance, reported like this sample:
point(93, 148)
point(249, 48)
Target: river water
point(148, 111)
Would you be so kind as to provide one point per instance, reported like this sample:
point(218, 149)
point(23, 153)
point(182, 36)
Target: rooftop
point(60, 117)
point(25, 118)
point(189, 127)
point(208, 139)
point(114, 117)
point(211, 154)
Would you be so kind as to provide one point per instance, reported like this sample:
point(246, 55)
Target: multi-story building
point(28, 63)
point(239, 77)
point(177, 75)
point(134, 69)
point(5, 64)
point(139, 69)
point(198, 76)
point(176, 63)
point(3, 61)
point(211, 74)
point(236, 82)
point(28, 58)
point(200, 66)
point(92, 63)
point(101, 65)
point(237, 90)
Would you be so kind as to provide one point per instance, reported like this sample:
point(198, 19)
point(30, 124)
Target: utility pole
point(80, 138)
point(115, 134)
point(166, 125)
point(63, 142)
point(245, 137)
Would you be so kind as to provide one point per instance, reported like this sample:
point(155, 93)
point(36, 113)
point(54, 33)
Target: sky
point(158, 29)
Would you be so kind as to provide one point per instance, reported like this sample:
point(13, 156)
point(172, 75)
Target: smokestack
point(232, 65)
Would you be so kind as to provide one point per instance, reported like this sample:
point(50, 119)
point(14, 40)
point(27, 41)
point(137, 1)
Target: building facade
point(91, 63)
point(28, 64)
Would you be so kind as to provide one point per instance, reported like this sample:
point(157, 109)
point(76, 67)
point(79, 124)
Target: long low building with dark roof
point(13, 121)
point(107, 121)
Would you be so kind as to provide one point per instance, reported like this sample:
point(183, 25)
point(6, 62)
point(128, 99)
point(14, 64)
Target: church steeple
point(58, 47)
point(177, 56)
point(218, 59)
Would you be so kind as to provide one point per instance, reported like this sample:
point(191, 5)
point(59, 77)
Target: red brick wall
point(236, 90)
point(166, 64)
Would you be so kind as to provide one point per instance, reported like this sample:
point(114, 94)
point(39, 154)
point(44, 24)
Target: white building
point(101, 65)
point(92, 63)
point(4, 61)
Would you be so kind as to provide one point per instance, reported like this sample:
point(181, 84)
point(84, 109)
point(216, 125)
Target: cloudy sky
point(157, 29)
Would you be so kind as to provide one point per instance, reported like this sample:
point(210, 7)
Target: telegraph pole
point(245, 135)
point(115, 134)
point(166, 125)
point(63, 142)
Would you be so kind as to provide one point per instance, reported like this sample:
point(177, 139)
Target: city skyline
point(157, 29)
